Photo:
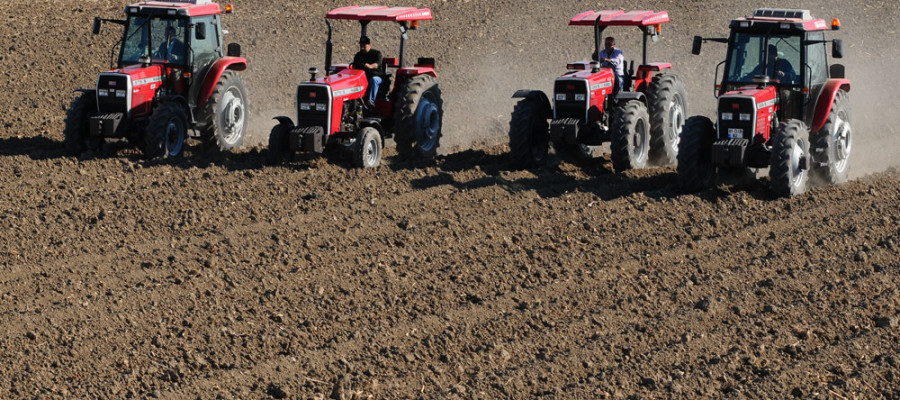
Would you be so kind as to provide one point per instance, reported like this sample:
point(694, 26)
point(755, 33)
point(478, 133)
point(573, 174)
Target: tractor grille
point(113, 93)
point(310, 110)
point(569, 107)
point(733, 107)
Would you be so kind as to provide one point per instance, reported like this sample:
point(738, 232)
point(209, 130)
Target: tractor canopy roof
point(190, 8)
point(781, 19)
point(620, 18)
point(381, 13)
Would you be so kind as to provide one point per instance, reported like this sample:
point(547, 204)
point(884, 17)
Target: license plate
point(734, 133)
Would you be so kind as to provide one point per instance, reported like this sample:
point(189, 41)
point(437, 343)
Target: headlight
point(320, 107)
point(121, 93)
point(727, 116)
point(305, 106)
point(103, 92)
point(579, 97)
point(560, 97)
point(744, 117)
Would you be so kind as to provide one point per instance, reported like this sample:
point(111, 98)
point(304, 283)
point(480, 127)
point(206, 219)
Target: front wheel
point(831, 145)
point(76, 134)
point(367, 148)
point(226, 112)
point(788, 170)
point(630, 145)
point(166, 131)
point(279, 147)
point(419, 117)
point(529, 134)
point(695, 169)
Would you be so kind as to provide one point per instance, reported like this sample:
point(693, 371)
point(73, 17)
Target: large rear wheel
point(76, 134)
point(166, 131)
point(831, 145)
point(529, 134)
point(226, 112)
point(667, 100)
point(419, 117)
point(630, 130)
point(788, 168)
point(695, 169)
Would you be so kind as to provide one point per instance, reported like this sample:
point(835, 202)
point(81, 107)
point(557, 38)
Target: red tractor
point(780, 105)
point(642, 121)
point(171, 77)
point(331, 110)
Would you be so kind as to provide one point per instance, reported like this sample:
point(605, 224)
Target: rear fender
point(215, 72)
point(417, 71)
point(535, 95)
point(826, 99)
point(645, 75)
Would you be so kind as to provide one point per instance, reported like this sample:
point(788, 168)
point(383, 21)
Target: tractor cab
point(332, 109)
point(780, 55)
point(171, 58)
point(780, 104)
point(171, 45)
point(589, 99)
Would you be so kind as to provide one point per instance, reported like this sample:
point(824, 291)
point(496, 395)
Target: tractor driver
point(172, 48)
point(611, 57)
point(778, 68)
point(369, 60)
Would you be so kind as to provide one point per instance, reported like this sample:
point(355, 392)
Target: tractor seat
point(385, 87)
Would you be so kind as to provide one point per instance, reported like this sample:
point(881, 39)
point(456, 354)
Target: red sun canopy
point(381, 13)
point(621, 18)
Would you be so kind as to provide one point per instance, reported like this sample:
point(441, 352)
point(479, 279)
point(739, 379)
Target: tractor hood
point(346, 83)
point(129, 90)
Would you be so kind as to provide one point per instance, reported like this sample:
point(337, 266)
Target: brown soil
point(216, 276)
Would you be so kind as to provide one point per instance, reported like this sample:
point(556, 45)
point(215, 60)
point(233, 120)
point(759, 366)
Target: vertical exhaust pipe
point(328, 46)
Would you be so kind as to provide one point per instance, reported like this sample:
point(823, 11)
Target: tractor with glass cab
point(642, 121)
point(172, 79)
point(332, 111)
point(781, 105)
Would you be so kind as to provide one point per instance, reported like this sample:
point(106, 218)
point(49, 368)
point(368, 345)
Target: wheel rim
point(232, 116)
point(797, 174)
point(639, 142)
point(843, 139)
point(174, 137)
point(428, 119)
point(676, 118)
point(371, 152)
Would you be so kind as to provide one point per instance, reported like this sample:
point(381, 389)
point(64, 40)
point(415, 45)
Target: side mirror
point(698, 44)
point(234, 50)
point(200, 33)
point(837, 48)
point(97, 23)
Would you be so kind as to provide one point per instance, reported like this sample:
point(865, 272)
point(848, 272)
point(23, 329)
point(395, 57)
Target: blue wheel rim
point(428, 122)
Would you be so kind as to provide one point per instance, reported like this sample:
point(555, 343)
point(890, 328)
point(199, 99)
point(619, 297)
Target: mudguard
point(284, 120)
point(826, 99)
point(215, 72)
point(628, 96)
point(535, 95)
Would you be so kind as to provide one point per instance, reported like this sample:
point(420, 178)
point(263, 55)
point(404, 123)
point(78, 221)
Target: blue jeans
point(374, 83)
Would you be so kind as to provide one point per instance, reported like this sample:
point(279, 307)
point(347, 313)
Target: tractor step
point(106, 125)
point(307, 138)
